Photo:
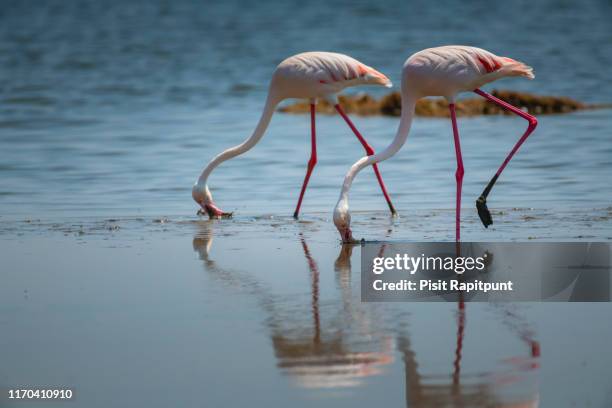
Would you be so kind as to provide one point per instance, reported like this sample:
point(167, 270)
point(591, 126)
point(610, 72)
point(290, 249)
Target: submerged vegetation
point(390, 105)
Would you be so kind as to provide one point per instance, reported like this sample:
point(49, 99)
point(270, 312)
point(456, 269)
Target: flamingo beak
point(347, 236)
point(213, 211)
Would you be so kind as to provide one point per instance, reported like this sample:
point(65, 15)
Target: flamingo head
point(342, 221)
point(202, 196)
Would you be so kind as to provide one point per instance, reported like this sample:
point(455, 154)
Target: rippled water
point(114, 108)
point(111, 285)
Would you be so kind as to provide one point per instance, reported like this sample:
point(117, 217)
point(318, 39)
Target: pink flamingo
point(443, 71)
point(309, 75)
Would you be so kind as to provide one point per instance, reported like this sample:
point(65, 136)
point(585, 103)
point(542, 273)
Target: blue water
point(114, 108)
point(267, 312)
point(112, 286)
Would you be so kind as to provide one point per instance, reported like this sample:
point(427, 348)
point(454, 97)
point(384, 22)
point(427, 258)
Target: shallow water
point(114, 108)
point(111, 284)
point(267, 312)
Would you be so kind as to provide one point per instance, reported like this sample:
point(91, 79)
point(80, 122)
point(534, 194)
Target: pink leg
point(313, 158)
point(369, 151)
point(458, 173)
point(481, 203)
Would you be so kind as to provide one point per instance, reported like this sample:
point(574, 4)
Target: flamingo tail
point(511, 67)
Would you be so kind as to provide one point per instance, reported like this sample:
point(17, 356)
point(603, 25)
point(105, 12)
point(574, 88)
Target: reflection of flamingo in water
point(443, 71)
point(325, 353)
point(476, 392)
point(309, 75)
point(318, 354)
point(327, 360)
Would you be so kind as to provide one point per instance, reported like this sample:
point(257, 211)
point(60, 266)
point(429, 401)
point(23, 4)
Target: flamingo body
point(442, 71)
point(309, 75)
point(449, 70)
point(322, 74)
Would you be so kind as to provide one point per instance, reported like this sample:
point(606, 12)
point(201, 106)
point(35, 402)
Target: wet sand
point(265, 310)
point(510, 224)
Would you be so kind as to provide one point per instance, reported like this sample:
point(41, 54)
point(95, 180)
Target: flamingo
point(309, 75)
point(443, 71)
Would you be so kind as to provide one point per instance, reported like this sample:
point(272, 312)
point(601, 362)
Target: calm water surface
point(112, 286)
point(267, 312)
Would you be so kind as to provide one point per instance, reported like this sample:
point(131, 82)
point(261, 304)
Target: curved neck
point(271, 102)
point(407, 113)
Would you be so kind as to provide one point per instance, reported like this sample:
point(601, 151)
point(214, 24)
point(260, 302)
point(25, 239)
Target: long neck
point(271, 102)
point(408, 105)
